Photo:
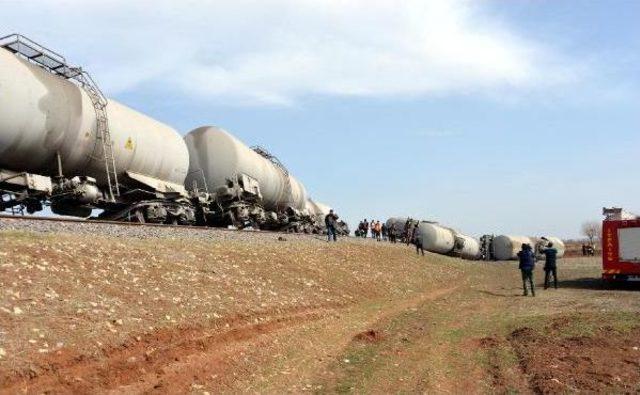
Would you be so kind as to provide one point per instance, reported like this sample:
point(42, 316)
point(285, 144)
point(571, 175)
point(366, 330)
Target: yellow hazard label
point(129, 144)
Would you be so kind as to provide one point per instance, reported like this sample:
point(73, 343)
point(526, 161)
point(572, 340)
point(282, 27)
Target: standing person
point(412, 232)
point(407, 231)
point(385, 231)
point(392, 232)
point(526, 266)
point(330, 221)
point(366, 228)
point(417, 240)
point(373, 229)
point(550, 255)
point(378, 231)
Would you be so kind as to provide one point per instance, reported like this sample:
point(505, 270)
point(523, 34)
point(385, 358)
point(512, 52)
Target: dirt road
point(84, 314)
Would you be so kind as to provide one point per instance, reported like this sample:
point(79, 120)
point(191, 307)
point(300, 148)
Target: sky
point(509, 117)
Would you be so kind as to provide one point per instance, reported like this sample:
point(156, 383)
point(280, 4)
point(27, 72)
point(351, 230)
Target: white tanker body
point(447, 241)
point(506, 247)
point(220, 157)
point(48, 128)
point(42, 114)
point(558, 244)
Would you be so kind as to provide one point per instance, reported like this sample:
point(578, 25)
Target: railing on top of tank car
point(16, 38)
point(50, 60)
point(39, 54)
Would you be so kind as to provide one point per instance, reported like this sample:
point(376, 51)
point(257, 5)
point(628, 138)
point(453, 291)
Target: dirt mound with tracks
point(247, 313)
point(172, 315)
point(607, 361)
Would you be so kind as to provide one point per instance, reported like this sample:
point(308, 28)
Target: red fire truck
point(620, 245)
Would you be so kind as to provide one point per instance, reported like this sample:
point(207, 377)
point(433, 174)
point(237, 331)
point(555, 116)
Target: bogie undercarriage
point(238, 204)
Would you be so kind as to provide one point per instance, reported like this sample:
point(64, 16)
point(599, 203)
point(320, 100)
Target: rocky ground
point(102, 308)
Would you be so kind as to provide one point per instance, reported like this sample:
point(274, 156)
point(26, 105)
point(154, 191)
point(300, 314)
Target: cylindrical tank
point(221, 156)
point(467, 247)
point(506, 247)
point(399, 223)
point(42, 114)
point(558, 244)
point(436, 238)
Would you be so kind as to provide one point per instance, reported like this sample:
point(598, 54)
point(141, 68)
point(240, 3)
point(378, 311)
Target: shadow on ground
point(597, 284)
point(505, 294)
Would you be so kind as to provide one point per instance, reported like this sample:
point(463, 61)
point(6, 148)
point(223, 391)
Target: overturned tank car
point(442, 240)
point(506, 247)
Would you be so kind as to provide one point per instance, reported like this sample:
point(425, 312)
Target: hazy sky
point(518, 117)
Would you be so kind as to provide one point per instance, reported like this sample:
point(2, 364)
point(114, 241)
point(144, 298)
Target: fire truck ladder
point(276, 162)
point(57, 65)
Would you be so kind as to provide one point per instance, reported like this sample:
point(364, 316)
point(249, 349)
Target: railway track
point(131, 229)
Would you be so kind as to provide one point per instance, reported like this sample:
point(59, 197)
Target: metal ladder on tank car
point(57, 65)
point(276, 162)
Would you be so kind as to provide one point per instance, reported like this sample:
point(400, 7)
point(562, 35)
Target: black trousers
point(527, 275)
point(547, 273)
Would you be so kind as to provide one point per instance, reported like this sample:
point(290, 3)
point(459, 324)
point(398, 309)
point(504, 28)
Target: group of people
point(527, 263)
point(378, 230)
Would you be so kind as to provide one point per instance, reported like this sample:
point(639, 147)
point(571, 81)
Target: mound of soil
point(607, 361)
point(370, 336)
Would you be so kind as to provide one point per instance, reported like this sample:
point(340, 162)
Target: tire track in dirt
point(166, 360)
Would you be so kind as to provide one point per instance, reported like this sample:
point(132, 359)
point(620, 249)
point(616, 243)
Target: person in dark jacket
point(417, 240)
point(550, 255)
point(392, 232)
point(527, 263)
point(330, 221)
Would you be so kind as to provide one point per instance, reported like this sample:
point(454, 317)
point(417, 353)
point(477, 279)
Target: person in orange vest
point(378, 230)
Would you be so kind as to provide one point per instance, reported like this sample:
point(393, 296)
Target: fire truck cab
point(620, 245)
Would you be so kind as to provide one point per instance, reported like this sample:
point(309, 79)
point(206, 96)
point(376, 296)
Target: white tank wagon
point(249, 185)
point(447, 241)
point(467, 247)
point(558, 244)
point(436, 238)
point(506, 247)
point(399, 224)
point(49, 128)
point(220, 157)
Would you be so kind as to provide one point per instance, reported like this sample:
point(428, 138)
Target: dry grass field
point(95, 314)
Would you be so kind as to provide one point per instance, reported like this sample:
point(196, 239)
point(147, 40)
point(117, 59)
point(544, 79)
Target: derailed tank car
point(437, 238)
point(447, 241)
point(506, 247)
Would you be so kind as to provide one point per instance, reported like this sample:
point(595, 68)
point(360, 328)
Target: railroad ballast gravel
point(142, 231)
